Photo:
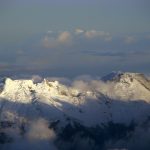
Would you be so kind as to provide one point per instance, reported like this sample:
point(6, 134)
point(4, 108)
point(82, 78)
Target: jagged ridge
point(54, 100)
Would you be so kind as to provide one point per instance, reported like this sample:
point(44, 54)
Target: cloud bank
point(63, 39)
point(77, 52)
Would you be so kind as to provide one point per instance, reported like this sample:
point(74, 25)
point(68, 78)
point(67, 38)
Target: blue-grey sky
point(69, 38)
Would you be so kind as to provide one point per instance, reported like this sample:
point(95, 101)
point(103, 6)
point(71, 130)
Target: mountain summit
point(93, 97)
point(123, 99)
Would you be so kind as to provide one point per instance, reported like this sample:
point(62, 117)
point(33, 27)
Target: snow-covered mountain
point(119, 98)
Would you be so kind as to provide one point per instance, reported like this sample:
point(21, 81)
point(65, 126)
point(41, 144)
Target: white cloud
point(36, 78)
point(130, 40)
point(49, 42)
point(62, 80)
point(63, 39)
point(91, 34)
point(39, 131)
point(66, 38)
point(98, 34)
point(79, 31)
point(49, 32)
point(81, 85)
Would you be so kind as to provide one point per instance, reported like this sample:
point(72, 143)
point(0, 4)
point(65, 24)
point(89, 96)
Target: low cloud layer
point(39, 131)
point(38, 136)
point(67, 38)
point(77, 52)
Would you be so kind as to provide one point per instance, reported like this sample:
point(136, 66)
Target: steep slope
point(129, 86)
point(53, 100)
point(93, 112)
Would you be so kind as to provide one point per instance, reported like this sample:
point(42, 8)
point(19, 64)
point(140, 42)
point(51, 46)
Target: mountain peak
point(131, 78)
point(124, 76)
point(111, 76)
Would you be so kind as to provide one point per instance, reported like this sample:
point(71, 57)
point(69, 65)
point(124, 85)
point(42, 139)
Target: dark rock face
point(75, 135)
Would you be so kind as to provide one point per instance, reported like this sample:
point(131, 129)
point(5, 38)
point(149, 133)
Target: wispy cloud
point(79, 31)
point(63, 39)
point(130, 40)
point(98, 34)
point(67, 38)
point(39, 131)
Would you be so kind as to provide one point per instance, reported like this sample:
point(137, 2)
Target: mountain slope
point(76, 103)
point(86, 109)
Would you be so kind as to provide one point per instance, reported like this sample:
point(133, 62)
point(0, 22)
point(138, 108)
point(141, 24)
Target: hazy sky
point(69, 38)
